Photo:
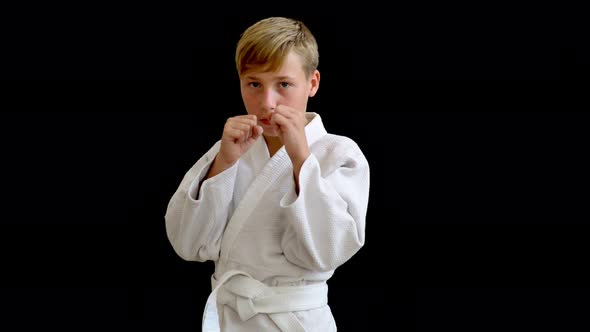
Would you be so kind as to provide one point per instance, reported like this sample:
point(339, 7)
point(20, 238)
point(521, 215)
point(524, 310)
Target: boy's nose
point(269, 101)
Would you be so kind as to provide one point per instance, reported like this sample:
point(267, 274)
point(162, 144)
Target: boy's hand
point(239, 133)
point(291, 124)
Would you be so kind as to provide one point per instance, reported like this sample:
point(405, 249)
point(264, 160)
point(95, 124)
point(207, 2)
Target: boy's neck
point(273, 144)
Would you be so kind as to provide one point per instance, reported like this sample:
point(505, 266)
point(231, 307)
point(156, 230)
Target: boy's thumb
point(257, 132)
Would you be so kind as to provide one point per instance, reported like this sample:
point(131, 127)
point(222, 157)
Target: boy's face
point(263, 91)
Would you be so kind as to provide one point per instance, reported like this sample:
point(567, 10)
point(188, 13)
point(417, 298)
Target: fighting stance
point(277, 203)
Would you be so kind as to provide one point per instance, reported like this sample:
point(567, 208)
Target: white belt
point(249, 297)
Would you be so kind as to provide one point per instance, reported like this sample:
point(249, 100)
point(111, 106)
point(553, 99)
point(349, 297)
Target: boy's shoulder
point(330, 144)
point(339, 139)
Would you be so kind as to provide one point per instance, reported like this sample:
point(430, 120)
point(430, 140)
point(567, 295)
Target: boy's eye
point(285, 84)
point(254, 84)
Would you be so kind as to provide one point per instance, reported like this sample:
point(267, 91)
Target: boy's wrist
point(299, 158)
point(219, 165)
point(221, 162)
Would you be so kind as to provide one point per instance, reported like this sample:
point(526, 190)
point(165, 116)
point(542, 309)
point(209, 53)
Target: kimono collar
point(314, 130)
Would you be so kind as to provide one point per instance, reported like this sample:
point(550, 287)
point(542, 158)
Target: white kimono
point(275, 243)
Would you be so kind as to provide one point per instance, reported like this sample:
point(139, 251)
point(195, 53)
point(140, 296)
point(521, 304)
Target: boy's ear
point(314, 83)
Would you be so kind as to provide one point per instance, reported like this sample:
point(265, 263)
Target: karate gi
point(273, 248)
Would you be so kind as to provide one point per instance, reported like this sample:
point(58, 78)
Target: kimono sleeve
point(195, 223)
point(326, 221)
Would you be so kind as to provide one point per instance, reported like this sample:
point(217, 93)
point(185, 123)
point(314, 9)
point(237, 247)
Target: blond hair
point(267, 42)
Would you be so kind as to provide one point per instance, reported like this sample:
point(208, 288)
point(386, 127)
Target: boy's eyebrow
point(288, 78)
point(280, 78)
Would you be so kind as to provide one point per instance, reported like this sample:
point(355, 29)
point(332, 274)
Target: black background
point(472, 119)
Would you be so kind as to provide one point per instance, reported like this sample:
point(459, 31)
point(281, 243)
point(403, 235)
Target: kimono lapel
point(274, 168)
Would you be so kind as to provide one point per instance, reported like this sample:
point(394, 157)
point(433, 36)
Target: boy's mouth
point(265, 122)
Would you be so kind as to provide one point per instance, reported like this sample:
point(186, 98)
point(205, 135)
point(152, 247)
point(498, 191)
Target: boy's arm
point(217, 167)
point(326, 219)
point(198, 211)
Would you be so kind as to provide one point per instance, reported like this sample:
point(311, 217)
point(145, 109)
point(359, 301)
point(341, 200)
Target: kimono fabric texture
point(273, 248)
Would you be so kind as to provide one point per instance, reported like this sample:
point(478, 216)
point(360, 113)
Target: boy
point(277, 203)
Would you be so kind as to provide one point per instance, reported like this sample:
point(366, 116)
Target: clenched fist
point(239, 134)
point(291, 131)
